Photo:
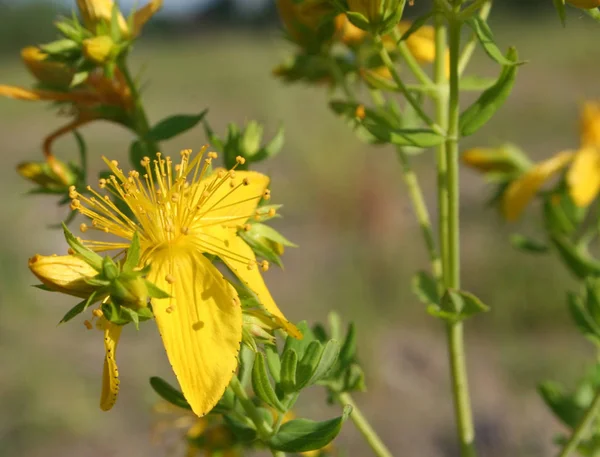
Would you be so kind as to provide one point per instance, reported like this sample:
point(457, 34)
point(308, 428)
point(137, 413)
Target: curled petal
point(144, 14)
point(110, 372)
point(200, 325)
point(520, 192)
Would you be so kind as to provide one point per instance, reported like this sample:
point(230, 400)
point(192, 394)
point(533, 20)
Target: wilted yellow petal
point(52, 73)
point(583, 177)
point(66, 274)
point(201, 325)
point(249, 274)
point(520, 192)
point(590, 124)
point(230, 207)
point(110, 371)
point(143, 15)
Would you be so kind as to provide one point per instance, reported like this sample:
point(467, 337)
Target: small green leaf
point(262, 384)
point(328, 359)
point(273, 361)
point(358, 20)
point(154, 291)
point(476, 83)
point(527, 244)
point(132, 315)
point(482, 110)
point(169, 393)
point(460, 305)
point(559, 6)
point(592, 302)
point(93, 259)
point(416, 25)
point(246, 363)
point(77, 309)
point(335, 325)
point(348, 351)
point(425, 288)
point(289, 362)
point(582, 319)
point(308, 364)
point(302, 435)
point(577, 259)
point(260, 248)
point(560, 404)
point(299, 345)
point(133, 253)
point(173, 126)
point(242, 431)
point(486, 39)
point(79, 78)
point(60, 47)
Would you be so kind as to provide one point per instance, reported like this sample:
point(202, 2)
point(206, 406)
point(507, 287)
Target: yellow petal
point(144, 14)
point(46, 71)
point(520, 192)
point(201, 325)
point(232, 206)
point(94, 12)
point(254, 280)
point(65, 273)
point(584, 176)
point(110, 372)
point(590, 124)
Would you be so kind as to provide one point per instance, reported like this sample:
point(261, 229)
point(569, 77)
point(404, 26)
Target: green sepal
point(425, 288)
point(93, 259)
point(289, 364)
point(154, 291)
point(490, 100)
point(486, 39)
point(260, 248)
point(60, 47)
point(308, 364)
point(133, 253)
point(259, 230)
point(303, 435)
point(559, 6)
point(173, 126)
point(358, 20)
point(560, 404)
point(246, 357)
point(110, 270)
point(133, 316)
point(273, 361)
point(169, 393)
point(80, 307)
point(115, 313)
point(328, 359)
point(261, 384)
point(576, 258)
point(527, 244)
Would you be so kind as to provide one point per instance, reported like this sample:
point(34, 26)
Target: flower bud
point(371, 9)
point(504, 159)
point(585, 4)
point(51, 73)
point(66, 274)
point(95, 12)
point(251, 139)
point(99, 49)
point(129, 291)
point(259, 326)
point(310, 23)
point(55, 176)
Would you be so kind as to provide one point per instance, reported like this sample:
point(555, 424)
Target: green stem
point(583, 426)
point(264, 430)
point(456, 351)
point(410, 60)
point(417, 199)
point(363, 426)
point(387, 61)
point(469, 48)
point(441, 102)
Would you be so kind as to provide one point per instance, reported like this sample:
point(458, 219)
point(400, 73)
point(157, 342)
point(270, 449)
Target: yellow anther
point(114, 163)
point(75, 204)
point(266, 194)
point(251, 264)
point(178, 167)
point(88, 324)
point(169, 309)
point(83, 228)
point(232, 183)
point(247, 227)
point(264, 265)
point(185, 230)
point(102, 183)
point(360, 112)
point(175, 197)
point(240, 160)
point(170, 278)
point(73, 194)
point(145, 161)
point(208, 161)
point(134, 174)
point(72, 189)
point(212, 155)
point(98, 312)
point(232, 174)
point(220, 174)
point(246, 181)
point(271, 212)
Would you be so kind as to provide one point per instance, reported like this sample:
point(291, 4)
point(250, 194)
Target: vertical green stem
point(583, 426)
point(456, 351)
point(264, 430)
point(363, 426)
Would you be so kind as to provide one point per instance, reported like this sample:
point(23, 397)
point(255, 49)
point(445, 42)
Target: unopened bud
point(95, 12)
point(504, 159)
point(131, 292)
point(309, 23)
point(66, 274)
point(56, 175)
point(99, 49)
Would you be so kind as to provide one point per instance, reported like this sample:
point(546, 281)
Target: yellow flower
point(65, 273)
point(180, 214)
point(583, 177)
point(84, 101)
point(94, 12)
point(585, 4)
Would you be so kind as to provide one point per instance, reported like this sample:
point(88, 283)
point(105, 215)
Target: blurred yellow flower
point(180, 214)
point(95, 12)
point(583, 177)
point(303, 19)
point(585, 4)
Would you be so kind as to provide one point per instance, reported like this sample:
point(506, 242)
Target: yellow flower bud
point(48, 72)
point(504, 159)
point(130, 292)
point(98, 49)
point(94, 12)
point(585, 4)
point(303, 20)
point(66, 274)
point(371, 9)
point(53, 177)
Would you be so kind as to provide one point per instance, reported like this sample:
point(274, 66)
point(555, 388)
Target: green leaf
point(348, 351)
point(486, 39)
point(93, 259)
point(60, 47)
point(527, 244)
point(173, 126)
point(420, 138)
point(560, 404)
point(289, 362)
point(592, 302)
point(133, 316)
point(79, 78)
point(259, 230)
point(582, 319)
point(246, 363)
point(77, 309)
point(273, 361)
point(358, 20)
point(302, 435)
point(328, 359)
point(476, 83)
point(559, 6)
point(576, 258)
point(335, 325)
point(416, 25)
point(169, 393)
point(308, 364)
point(460, 305)
point(137, 152)
point(260, 248)
point(425, 288)
point(133, 253)
point(476, 115)
point(299, 345)
point(262, 384)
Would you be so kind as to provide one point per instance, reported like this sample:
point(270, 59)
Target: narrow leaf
point(93, 259)
point(169, 393)
point(527, 244)
point(173, 126)
point(308, 364)
point(486, 39)
point(425, 288)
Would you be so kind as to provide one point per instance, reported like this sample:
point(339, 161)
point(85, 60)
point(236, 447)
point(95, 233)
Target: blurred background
point(346, 207)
